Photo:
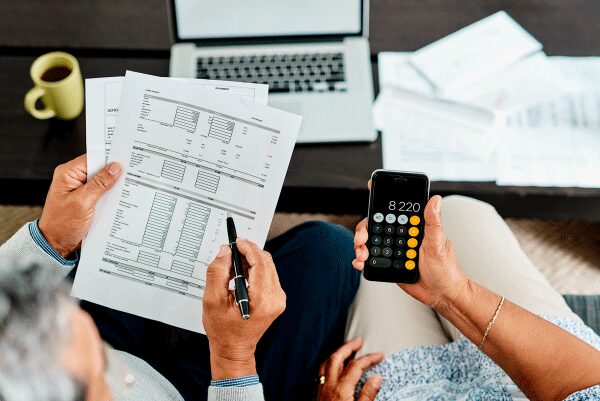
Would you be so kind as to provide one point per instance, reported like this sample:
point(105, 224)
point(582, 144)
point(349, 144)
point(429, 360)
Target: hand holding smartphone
point(395, 225)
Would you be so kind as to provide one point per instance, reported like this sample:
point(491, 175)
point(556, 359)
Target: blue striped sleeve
point(237, 382)
point(41, 241)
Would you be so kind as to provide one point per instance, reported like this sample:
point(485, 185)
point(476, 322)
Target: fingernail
point(114, 169)
point(223, 250)
point(377, 380)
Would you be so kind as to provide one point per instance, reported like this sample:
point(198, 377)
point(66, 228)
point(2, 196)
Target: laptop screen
point(215, 19)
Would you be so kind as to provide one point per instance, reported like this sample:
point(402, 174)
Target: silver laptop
point(313, 54)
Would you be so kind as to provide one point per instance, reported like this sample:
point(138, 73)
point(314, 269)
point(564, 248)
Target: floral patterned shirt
point(459, 371)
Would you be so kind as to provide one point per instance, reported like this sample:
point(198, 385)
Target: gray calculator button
point(398, 253)
point(388, 241)
point(377, 228)
point(400, 241)
point(376, 240)
point(378, 217)
point(375, 251)
point(389, 230)
point(402, 219)
point(390, 218)
point(398, 264)
point(380, 262)
point(401, 230)
point(386, 252)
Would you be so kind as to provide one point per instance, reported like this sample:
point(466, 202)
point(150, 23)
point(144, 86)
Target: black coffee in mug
point(56, 73)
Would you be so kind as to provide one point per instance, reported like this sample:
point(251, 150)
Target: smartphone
point(395, 224)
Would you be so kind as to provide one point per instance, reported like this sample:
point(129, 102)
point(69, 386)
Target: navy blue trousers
point(313, 261)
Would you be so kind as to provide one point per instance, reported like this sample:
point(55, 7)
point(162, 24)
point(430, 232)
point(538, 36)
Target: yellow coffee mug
point(58, 83)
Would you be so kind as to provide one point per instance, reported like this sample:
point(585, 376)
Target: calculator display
point(395, 225)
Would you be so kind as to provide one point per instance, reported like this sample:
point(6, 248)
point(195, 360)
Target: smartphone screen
point(395, 225)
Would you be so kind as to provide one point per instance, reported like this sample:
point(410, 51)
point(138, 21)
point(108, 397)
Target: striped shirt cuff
point(40, 240)
point(245, 381)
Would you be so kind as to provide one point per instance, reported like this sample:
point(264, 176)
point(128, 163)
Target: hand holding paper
point(189, 159)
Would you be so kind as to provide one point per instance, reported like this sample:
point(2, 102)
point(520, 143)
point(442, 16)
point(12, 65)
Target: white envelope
point(473, 52)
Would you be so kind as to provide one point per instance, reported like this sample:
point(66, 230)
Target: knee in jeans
point(326, 251)
point(329, 241)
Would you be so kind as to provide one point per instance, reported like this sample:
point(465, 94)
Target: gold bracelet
point(489, 326)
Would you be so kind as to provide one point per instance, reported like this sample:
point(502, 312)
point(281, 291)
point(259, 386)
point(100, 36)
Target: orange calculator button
point(410, 264)
point(414, 220)
point(411, 253)
point(412, 242)
point(413, 231)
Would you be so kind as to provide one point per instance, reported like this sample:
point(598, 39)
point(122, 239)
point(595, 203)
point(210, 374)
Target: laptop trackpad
point(292, 107)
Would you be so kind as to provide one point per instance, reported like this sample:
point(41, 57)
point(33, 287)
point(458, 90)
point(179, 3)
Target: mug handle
point(31, 98)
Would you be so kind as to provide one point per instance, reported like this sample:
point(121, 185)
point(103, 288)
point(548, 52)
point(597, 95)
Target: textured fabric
point(251, 393)
point(41, 241)
point(23, 248)
point(149, 385)
point(245, 381)
point(381, 309)
point(588, 394)
point(587, 307)
point(459, 371)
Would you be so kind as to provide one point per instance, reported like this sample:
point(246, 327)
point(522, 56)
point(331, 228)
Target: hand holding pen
point(241, 290)
point(232, 341)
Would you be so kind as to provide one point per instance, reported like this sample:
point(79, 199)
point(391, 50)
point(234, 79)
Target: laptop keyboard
point(284, 73)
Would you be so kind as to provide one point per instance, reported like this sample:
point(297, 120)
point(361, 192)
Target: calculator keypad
point(393, 240)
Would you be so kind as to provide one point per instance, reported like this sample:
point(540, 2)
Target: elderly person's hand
point(441, 278)
point(71, 202)
point(232, 340)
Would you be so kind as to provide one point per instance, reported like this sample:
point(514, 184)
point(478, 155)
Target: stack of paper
point(193, 153)
point(542, 112)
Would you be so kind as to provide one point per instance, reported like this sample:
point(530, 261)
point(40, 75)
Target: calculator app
point(395, 225)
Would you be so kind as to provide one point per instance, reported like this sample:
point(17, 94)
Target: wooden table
point(111, 36)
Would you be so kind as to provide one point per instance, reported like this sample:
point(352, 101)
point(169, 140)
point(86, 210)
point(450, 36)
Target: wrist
point(232, 363)
point(52, 240)
point(457, 300)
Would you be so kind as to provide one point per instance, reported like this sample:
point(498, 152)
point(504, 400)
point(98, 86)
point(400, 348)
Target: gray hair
point(34, 328)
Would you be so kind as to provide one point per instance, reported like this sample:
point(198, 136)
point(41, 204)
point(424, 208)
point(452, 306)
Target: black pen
point(241, 291)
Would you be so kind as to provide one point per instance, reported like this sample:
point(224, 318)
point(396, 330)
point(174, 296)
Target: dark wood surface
point(567, 27)
point(111, 36)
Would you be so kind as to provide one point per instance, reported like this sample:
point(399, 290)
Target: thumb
point(218, 273)
point(371, 388)
point(99, 184)
point(435, 238)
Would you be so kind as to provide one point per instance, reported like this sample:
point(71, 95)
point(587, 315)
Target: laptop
point(313, 54)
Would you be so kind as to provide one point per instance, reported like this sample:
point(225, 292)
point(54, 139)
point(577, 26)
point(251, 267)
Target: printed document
point(473, 52)
point(395, 71)
point(579, 73)
point(189, 160)
point(440, 165)
point(550, 158)
point(555, 143)
point(436, 124)
point(102, 97)
point(529, 81)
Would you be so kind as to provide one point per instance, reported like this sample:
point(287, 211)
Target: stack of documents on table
point(486, 104)
point(193, 153)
